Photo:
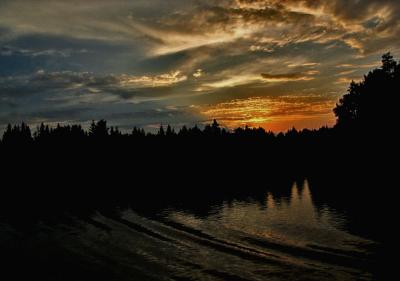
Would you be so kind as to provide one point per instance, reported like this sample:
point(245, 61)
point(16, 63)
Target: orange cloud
point(273, 113)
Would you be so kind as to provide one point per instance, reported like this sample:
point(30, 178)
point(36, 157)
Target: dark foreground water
point(273, 237)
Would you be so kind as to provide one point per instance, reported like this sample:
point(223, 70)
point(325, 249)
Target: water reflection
point(290, 228)
point(291, 220)
point(272, 235)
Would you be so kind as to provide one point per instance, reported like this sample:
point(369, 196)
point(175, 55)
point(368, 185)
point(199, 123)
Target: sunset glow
point(276, 114)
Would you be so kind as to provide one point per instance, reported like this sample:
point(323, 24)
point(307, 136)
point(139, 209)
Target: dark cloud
point(69, 84)
point(285, 76)
point(13, 51)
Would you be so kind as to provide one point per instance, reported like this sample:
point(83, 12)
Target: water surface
point(270, 236)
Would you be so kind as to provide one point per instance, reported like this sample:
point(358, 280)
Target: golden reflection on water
point(293, 220)
point(297, 220)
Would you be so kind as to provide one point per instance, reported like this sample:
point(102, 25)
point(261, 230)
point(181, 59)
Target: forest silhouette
point(53, 174)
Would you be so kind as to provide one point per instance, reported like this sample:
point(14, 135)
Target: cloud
point(198, 73)
point(359, 66)
point(362, 24)
point(288, 76)
point(229, 82)
point(161, 80)
point(304, 64)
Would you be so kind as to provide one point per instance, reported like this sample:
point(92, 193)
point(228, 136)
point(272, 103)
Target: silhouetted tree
point(195, 131)
point(213, 129)
point(98, 130)
point(17, 135)
point(183, 131)
point(371, 102)
point(115, 132)
point(388, 63)
point(170, 131)
point(138, 133)
point(161, 132)
point(77, 132)
point(8, 136)
point(42, 133)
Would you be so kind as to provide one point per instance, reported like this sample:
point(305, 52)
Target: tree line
point(99, 131)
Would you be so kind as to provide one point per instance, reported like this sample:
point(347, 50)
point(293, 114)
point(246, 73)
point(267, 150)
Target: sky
point(269, 63)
